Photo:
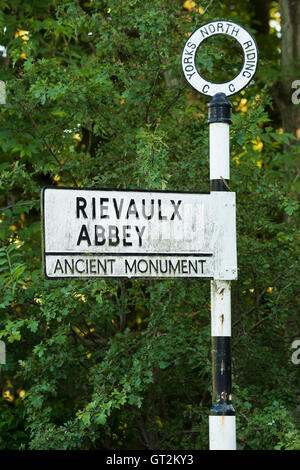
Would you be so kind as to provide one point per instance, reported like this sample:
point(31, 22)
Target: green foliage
point(96, 98)
point(272, 425)
point(12, 433)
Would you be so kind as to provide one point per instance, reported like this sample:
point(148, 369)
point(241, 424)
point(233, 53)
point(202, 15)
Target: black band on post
point(221, 375)
point(219, 185)
point(219, 109)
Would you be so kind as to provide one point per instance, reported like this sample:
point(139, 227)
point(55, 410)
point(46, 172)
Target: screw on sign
point(222, 430)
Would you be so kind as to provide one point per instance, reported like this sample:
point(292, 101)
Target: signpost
point(222, 430)
point(106, 233)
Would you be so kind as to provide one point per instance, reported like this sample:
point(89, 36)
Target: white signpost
point(222, 427)
point(112, 233)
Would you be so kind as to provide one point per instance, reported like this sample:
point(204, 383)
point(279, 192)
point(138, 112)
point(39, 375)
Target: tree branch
point(151, 97)
point(167, 107)
point(17, 205)
point(48, 147)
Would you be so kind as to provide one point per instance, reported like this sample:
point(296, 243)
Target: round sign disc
point(227, 28)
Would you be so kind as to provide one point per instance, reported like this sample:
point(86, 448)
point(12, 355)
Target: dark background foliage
point(96, 98)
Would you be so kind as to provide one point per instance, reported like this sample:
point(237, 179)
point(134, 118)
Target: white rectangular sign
point(90, 233)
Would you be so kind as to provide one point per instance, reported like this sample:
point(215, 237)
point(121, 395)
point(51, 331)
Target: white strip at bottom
point(222, 434)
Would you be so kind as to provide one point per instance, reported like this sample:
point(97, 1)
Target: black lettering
point(194, 266)
point(160, 216)
point(113, 232)
point(139, 265)
point(176, 207)
point(93, 266)
point(166, 266)
point(148, 217)
point(103, 208)
point(228, 26)
point(101, 266)
point(235, 30)
point(133, 267)
point(140, 234)
point(247, 44)
point(99, 235)
point(184, 269)
point(80, 206)
point(189, 68)
point(153, 266)
point(190, 75)
point(111, 261)
point(84, 236)
point(126, 235)
point(76, 266)
point(132, 210)
point(67, 265)
point(118, 209)
point(176, 268)
point(205, 31)
point(250, 55)
point(249, 66)
point(201, 261)
point(58, 266)
point(93, 208)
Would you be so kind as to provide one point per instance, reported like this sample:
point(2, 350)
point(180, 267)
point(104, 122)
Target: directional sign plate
point(104, 233)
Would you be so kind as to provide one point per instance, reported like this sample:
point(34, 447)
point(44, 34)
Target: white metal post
point(222, 415)
point(222, 432)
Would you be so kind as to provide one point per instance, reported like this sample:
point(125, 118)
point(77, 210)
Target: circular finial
point(227, 28)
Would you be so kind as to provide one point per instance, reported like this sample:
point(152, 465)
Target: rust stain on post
point(222, 324)
point(221, 293)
